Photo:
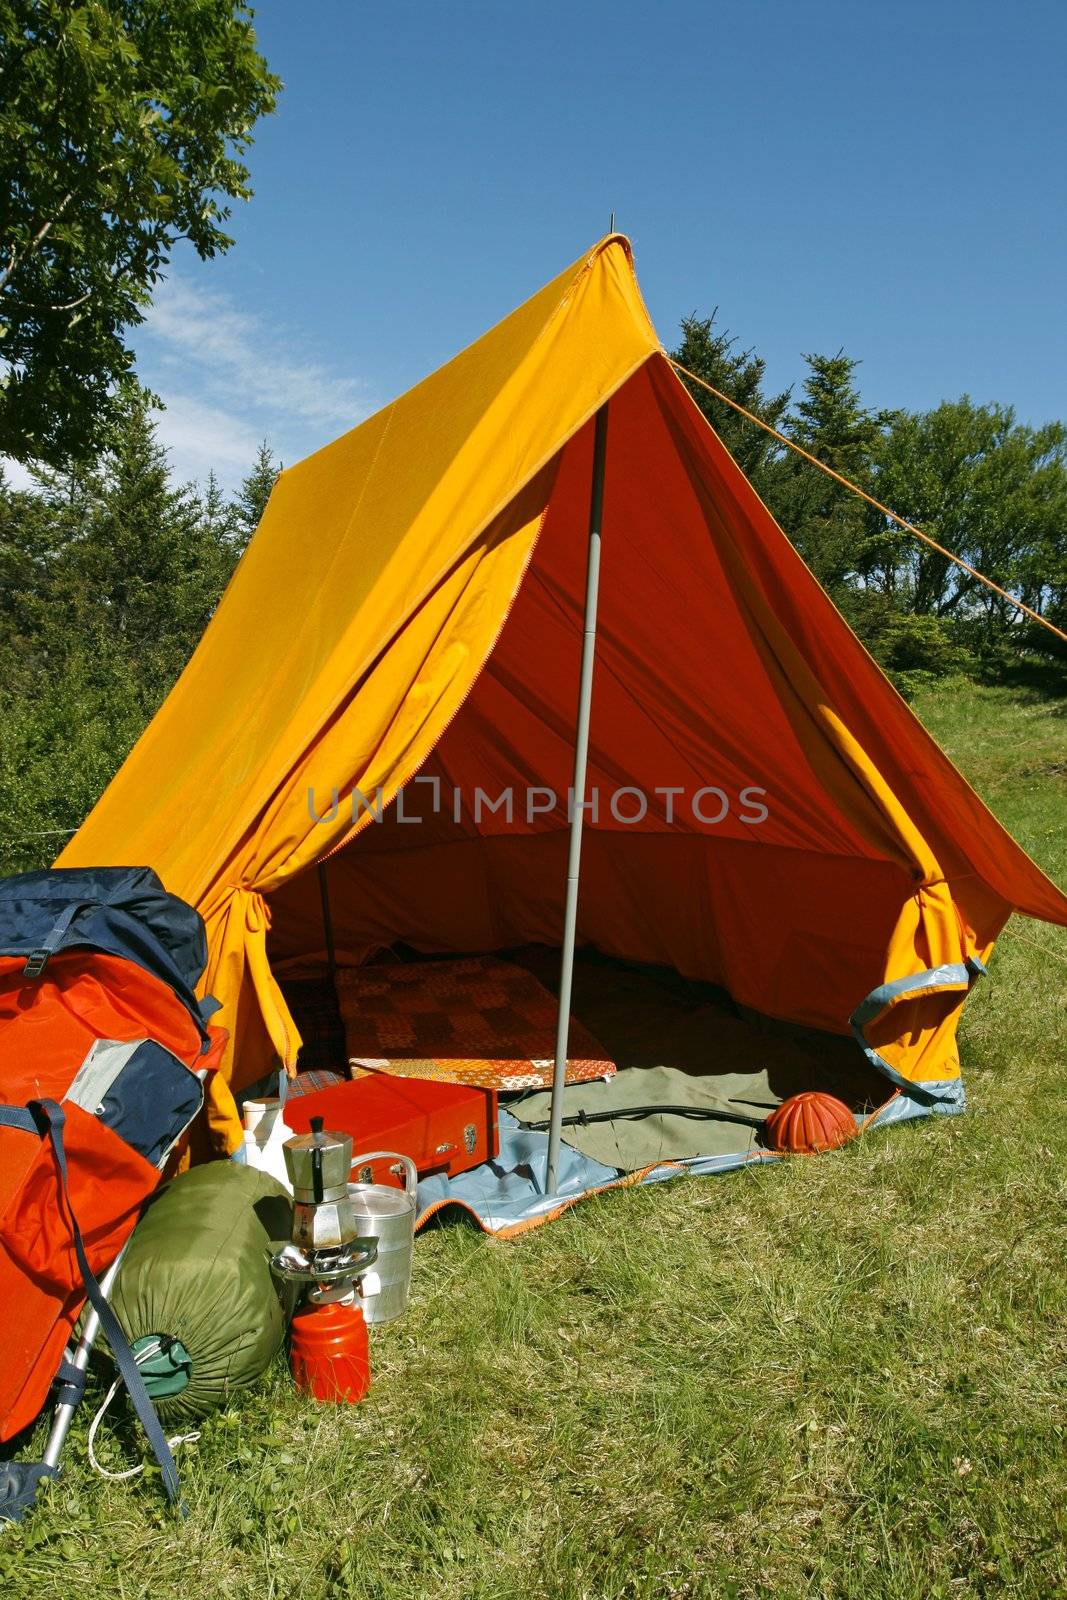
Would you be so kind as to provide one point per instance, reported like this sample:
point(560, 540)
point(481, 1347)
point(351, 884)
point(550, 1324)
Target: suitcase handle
point(411, 1174)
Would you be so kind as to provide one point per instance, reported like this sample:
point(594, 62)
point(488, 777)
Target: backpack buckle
point(36, 962)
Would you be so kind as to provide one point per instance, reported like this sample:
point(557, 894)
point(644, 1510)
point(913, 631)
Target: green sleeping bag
point(196, 1282)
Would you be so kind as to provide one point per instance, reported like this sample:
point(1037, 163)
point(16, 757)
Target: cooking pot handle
point(411, 1173)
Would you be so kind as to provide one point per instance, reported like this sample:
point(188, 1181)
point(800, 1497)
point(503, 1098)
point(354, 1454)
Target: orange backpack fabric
point(48, 1025)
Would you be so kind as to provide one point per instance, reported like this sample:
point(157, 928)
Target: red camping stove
point(329, 1350)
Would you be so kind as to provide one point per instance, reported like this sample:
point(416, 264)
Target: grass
point(844, 1377)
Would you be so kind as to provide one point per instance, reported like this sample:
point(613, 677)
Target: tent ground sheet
point(684, 1044)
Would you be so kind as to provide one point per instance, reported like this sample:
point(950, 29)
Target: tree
point(217, 515)
point(740, 374)
point(993, 491)
point(28, 536)
point(148, 572)
point(109, 575)
point(252, 497)
point(121, 127)
point(826, 522)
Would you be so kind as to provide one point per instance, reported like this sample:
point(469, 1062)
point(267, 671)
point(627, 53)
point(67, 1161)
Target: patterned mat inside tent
point(479, 1021)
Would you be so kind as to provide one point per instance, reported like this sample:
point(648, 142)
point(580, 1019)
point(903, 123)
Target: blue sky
point(888, 178)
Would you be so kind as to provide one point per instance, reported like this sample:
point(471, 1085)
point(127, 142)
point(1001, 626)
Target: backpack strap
point(37, 959)
point(70, 1383)
point(19, 1482)
point(46, 1119)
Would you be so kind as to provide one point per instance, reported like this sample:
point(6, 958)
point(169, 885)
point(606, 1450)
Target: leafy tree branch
point(123, 124)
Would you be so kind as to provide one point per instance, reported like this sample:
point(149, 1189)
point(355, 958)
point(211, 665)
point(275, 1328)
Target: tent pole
point(581, 752)
point(327, 920)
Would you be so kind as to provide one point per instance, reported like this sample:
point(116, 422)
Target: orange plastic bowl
point(806, 1124)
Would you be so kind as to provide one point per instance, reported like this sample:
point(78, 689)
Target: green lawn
point(834, 1377)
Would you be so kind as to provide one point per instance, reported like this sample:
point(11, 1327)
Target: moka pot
point(319, 1164)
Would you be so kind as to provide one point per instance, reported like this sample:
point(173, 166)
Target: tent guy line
point(909, 527)
point(1035, 944)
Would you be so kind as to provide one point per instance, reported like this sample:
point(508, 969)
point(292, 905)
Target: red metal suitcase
point(443, 1127)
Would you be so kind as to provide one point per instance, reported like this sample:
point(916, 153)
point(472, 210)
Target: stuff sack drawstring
point(139, 1356)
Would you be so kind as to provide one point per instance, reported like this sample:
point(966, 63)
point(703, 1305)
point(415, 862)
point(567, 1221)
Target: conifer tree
point(251, 500)
point(828, 524)
point(714, 357)
point(110, 575)
point(216, 512)
point(146, 575)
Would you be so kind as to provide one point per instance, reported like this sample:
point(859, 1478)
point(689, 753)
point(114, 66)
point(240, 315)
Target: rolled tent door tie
point(951, 976)
point(262, 1030)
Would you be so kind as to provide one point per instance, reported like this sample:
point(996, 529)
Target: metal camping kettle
point(386, 1215)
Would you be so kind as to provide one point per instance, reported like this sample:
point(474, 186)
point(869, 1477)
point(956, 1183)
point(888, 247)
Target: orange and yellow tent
point(773, 818)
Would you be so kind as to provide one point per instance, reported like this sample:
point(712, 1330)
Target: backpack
point(104, 1047)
